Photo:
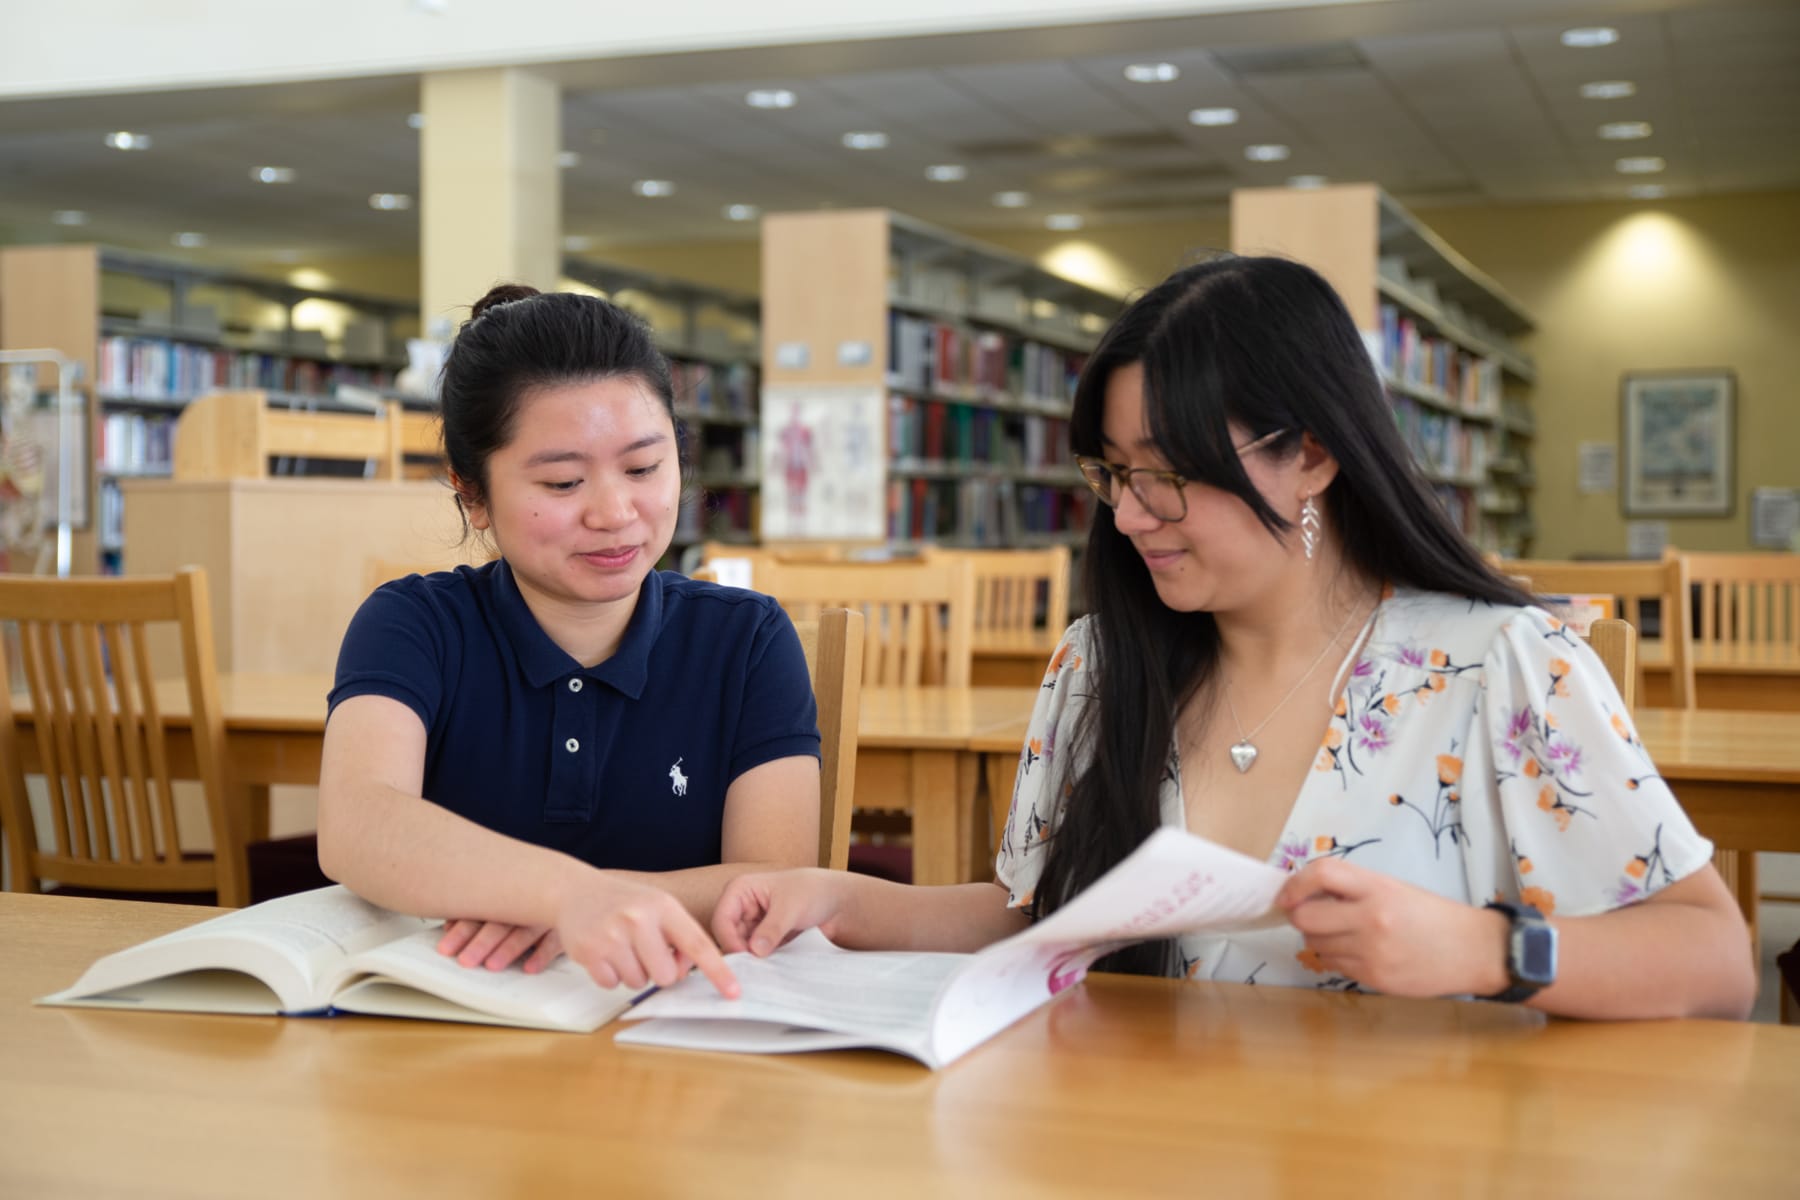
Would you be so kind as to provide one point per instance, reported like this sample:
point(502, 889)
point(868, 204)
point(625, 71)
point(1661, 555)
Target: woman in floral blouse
point(1294, 653)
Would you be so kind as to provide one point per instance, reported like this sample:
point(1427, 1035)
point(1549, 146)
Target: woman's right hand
point(633, 934)
point(761, 913)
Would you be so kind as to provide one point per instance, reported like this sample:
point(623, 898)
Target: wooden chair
point(102, 740)
point(1746, 599)
point(1630, 583)
point(1019, 593)
point(918, 616)
point(383, 570)
point(833, 646)
point(1615, 641)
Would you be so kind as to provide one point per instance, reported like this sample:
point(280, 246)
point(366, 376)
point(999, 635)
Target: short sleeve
point(1586, 820)
point(1045, 774)
point(778, 717)
point(395, 647)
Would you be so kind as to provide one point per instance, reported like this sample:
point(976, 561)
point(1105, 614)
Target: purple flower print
point(1412, 656)
point(1362, 668)
point(1516, 730)
point(1628, 892)
point(1293, 855)
point(1374, 735)
point(1566, 755)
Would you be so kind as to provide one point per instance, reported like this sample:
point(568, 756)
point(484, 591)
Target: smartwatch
point(1530, 952)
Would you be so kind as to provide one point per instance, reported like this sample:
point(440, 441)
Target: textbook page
point(293, 945)
point(409, 978)
point(870, 997)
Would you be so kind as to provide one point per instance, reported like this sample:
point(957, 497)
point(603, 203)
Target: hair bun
point(501, 293)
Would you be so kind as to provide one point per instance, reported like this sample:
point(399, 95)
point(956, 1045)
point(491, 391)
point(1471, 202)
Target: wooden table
point(1012, 659)
point(1753, 678)
point(1121, 1087)
point(912, 753)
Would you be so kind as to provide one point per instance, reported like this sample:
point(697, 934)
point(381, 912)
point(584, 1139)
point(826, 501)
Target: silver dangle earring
point(1309, 528)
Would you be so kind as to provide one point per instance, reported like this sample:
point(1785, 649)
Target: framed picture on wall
point(1679, 436)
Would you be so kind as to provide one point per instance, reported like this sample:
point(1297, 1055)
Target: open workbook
point(811, 995)
point(328, 950)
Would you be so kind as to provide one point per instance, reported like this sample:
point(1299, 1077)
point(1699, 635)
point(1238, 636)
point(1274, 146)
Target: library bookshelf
point(711, 338)
point(152, 335)
point(1442, 334)
point(974, 353)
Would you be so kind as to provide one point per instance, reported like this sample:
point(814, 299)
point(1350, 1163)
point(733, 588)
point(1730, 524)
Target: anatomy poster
point(822, 475)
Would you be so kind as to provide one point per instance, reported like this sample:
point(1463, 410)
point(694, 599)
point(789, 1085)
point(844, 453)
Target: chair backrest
point(1615, 641)
point(1631, 583)
point(918, 617)
point(833, 646)
point(1746, 599)
point(384, 570)
point(102, 741)
point(1019, 592)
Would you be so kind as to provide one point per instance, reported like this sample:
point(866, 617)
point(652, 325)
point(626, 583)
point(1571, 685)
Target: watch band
point(1523, 921)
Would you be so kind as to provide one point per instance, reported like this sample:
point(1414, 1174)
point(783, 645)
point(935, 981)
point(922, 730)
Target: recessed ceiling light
point(1647, 191)
point(272, 174)
point(946, 172)
point(1012, 199)
point(1625, 131)
point(741, 212)
point(770, 98)
point(1589, 36)
point(390, 201)
point(1306, 182)
point(1153, 72)
point(1213, 116)
point(1266, 152)
point(1608, 89)
point(567, 159)
point(126, 140)
point(68, 216)
point(189, 240)
point(576, 241)
point(1064, 221)
point(653, 187)
point(1648, 164)
point(415, 120)
point(865, 140)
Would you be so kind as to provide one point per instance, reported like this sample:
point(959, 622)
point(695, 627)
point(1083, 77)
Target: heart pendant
point(1243, 756)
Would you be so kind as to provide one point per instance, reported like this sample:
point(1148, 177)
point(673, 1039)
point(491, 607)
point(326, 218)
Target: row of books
point(982, 512)
point(156, 369)
point(1412, 356)
point(714, 514)
point(714, 390)
point(132, 441)
point(933, 431)
point(935, 356)
point(1443, 442)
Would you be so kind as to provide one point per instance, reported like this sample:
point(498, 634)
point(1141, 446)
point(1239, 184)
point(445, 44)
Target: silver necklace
point(1243, 752)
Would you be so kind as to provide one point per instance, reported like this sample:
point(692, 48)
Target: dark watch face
point(1536, 953)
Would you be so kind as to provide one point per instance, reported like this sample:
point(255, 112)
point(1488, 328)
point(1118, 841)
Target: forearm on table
point(411, 855)
point(1651, 960)
point(964, 917)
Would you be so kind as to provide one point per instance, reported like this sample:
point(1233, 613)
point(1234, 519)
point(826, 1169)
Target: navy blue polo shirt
point(624, 764)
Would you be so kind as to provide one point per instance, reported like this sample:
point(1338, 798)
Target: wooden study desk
point(1741, 678)
point(1121, 1087)
point(913, 755)
point(1012, 659)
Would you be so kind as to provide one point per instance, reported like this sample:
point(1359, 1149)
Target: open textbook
point(810, 995)
point(328, 950)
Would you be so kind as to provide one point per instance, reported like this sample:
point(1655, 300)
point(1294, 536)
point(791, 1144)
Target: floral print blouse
point(1478, 752)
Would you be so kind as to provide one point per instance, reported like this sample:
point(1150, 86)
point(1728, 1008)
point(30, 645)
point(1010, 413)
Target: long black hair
point(518, 339)
point(1267, 344)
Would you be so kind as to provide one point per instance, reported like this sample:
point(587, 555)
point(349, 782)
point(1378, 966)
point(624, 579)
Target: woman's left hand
point(1392, 937)
point(497, 945)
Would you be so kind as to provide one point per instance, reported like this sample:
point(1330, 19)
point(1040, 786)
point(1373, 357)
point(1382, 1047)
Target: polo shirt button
point(574, 685)
point(571, 745)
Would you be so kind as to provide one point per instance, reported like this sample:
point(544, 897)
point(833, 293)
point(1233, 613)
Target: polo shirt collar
point(543, 662)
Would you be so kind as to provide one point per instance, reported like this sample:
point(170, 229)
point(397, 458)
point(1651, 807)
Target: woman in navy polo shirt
point(565, 750)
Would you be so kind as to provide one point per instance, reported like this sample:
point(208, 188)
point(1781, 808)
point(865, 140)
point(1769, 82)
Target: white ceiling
point(1441, 101)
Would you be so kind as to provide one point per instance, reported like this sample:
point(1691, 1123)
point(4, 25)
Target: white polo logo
point(677, 781)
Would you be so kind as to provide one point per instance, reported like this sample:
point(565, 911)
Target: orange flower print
point(1547, 798)
point(1449, 768)
point(1525, 866)
point(1391, 702)
point(1623, 728)
point(1334, 737)
point(1324, 845)
point(1553, 623)
point(1342, 708)
point(1559, 671)
point(1396, 800)
point(1542, 899)
point(1056, 660)
point(1309, 958)
point(1531, 768)
point(1439, 659)
point(1637, 867)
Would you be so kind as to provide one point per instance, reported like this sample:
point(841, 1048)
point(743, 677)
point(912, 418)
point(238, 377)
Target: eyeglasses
point(1162, 493)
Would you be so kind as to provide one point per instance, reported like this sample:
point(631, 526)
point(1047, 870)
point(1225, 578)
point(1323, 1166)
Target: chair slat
point(131, 739)
point(168, 839)
point(109, 797)
point(90, 786)
point(48, 732)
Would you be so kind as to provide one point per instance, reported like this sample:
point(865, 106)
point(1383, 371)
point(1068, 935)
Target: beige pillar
point(490, 204)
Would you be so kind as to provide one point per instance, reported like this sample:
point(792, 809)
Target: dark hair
point(517, 339)
point(1265, 343)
